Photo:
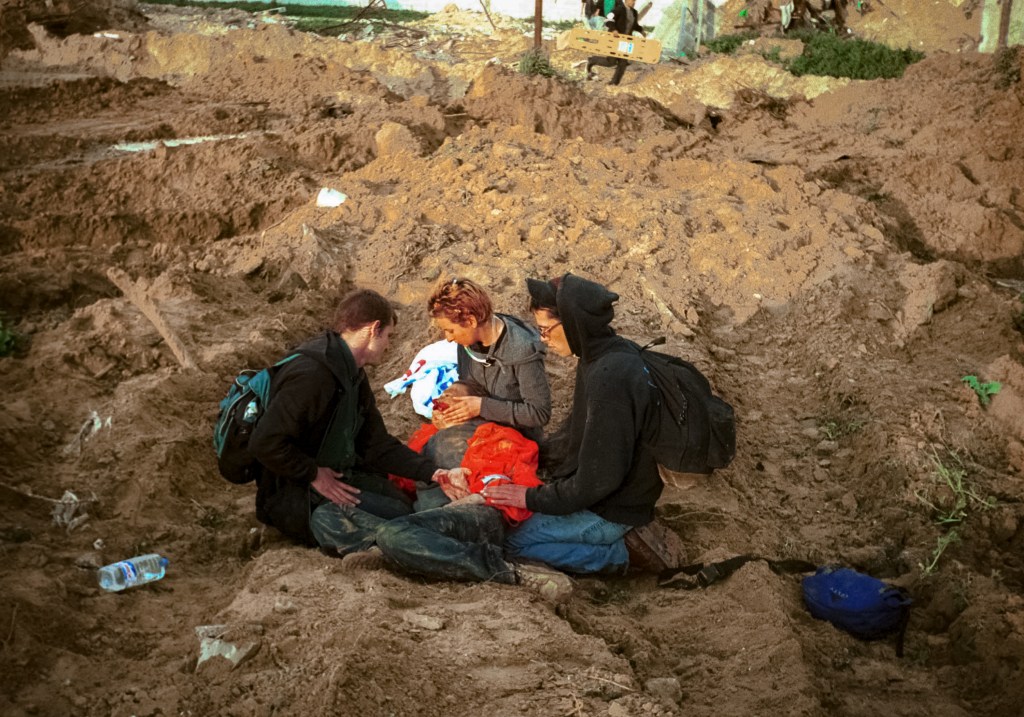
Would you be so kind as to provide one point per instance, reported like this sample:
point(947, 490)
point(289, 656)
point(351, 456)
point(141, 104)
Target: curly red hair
point(459, 299)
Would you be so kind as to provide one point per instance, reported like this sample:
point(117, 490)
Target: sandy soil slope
point(835, 255)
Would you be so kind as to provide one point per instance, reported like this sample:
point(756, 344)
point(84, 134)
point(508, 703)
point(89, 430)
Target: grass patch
point(313, 18)
point(953, 494)
point(728, 44)
point(832, 56)
point(950, 500)
point(834, 429)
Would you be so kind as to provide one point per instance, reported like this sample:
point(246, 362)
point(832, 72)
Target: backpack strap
point(700, 575)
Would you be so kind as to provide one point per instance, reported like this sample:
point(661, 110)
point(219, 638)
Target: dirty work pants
point(581, 542)
point(347, 528)
point(617, 62)
point(459, 542)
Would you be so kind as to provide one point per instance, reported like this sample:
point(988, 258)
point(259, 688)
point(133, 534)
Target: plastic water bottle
point(139, 570)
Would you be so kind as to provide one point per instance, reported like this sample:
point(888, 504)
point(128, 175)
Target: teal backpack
point(240, 410)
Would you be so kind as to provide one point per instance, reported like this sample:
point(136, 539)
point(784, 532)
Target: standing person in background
point(595, 11)
point(499, 353)
point(625, 21)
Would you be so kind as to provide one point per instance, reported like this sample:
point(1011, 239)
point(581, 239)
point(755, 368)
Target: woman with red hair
point(498, 353)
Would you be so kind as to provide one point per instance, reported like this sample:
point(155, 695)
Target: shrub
point(832, 56)
point(536, 62)
point(728, 44)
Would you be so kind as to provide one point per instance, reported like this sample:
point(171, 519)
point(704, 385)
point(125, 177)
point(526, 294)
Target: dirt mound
point(822, 249)
point(62, 18)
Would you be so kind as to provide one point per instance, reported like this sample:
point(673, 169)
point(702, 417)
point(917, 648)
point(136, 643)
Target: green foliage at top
point(984, 390)
point(310, 18)
point(728, 44)
point(832, 56)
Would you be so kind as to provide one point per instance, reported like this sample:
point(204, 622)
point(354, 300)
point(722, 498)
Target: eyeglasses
point(545, 331)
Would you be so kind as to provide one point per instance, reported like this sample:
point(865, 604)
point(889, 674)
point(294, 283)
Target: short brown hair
point(459, 299)
point(362, 307)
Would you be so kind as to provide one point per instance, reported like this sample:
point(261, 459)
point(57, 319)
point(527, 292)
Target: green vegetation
point(984, 390)
point(950, 502)
point(774, 55)
point(8, 339)
point(834, 429)
point(943, 542)
point(830, 55)
point(314, 18)
point(955, 495)
point(536, 62)
point(728, 44)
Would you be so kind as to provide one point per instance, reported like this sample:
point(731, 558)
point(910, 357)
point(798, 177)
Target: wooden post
point(1004, 22)
point(698, 36)
point(538, 22)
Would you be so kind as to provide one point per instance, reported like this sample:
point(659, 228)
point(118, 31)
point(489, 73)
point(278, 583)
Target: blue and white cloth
point(434, 369)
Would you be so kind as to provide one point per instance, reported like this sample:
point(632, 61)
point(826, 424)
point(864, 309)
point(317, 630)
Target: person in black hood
point(608, 483)
point(322, 444)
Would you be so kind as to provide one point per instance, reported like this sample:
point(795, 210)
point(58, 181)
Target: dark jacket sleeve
point(380, 451)
point(613, 423)
point(302, 395)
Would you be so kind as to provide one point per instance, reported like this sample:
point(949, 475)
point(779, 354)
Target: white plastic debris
point(330, 198)
point(64, 512)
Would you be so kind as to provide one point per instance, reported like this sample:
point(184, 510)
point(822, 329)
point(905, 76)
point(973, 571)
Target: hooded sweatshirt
point(287, 441)
point(608, 469)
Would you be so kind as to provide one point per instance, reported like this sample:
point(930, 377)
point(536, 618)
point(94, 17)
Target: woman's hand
point(459, 410)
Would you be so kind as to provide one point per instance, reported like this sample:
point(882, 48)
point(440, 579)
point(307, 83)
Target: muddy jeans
point(350, 528)
point(461, 542)
point(581, 542)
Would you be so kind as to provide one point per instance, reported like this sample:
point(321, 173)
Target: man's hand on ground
point(328, 485)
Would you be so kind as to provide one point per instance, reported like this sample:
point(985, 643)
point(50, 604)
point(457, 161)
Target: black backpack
point(691, 430)
point(240, 410)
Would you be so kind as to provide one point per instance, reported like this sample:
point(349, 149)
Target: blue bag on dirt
point(862, 605)
point(240, 410)
point(693, 430)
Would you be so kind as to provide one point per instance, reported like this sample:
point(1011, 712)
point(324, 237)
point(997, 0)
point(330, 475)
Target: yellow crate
point(611, 44)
